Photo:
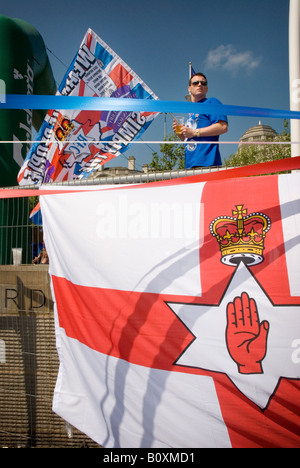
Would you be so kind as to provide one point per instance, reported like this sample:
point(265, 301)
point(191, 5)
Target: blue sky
point(241, 46)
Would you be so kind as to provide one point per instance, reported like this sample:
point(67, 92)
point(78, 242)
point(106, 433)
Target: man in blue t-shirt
point(202, 127)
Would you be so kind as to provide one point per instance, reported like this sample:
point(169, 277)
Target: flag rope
point(160, 142)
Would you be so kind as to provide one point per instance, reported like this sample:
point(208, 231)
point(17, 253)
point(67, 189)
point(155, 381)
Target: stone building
point(258, 133)
point(104, 171)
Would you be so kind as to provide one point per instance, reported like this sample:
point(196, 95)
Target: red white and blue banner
point(177, 311)
point(73, 143)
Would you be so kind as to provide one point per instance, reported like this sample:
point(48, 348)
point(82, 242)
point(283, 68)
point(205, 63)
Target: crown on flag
point(241, 237)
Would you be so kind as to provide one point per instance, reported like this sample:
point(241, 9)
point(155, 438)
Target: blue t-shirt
point(203, 155)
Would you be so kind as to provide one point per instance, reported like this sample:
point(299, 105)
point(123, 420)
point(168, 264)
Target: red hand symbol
point(246, 337)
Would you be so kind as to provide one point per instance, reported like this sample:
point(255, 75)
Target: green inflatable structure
point(24, 69)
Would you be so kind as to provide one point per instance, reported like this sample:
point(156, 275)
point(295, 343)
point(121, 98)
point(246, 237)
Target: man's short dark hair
point(196, 74)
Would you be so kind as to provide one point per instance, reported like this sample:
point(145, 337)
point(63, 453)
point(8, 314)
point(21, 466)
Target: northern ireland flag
point(178, 311)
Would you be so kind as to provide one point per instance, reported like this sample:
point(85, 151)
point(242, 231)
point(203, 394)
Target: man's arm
point(215, 129)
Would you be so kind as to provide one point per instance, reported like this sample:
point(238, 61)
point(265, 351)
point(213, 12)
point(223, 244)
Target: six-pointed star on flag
point(210, 349)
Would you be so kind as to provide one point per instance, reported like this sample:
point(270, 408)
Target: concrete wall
point(29, 362)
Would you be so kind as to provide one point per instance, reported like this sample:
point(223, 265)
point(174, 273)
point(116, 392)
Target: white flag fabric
point(178, 312)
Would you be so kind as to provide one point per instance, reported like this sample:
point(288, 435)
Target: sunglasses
point(195, 83)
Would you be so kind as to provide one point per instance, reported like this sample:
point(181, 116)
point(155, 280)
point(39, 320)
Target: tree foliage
point(171, 156)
